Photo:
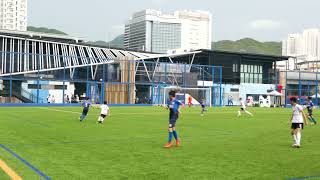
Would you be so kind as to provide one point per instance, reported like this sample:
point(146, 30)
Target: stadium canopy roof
point(29, 52)
point(43, 36)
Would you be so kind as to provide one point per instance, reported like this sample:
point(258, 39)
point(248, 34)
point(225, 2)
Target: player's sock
point(175, 134)
point(298, 138)
point(249, 113)
point(170, 137)
point(294, 138)
point(314, 120)
point(239, 113)
point(310, 119)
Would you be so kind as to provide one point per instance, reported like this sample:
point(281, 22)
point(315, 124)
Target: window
point(260, 78)
point(32, 86)
point(47, 86)
point(235, 68)
point(242, 78)
point(60, 87)
point(251, 73)
point(234, 90)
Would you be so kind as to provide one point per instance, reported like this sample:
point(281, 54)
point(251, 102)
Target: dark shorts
point(85, 112)
point(173, 119)
point(297, 125)
point(203, 106)
point(103, 116)
point(242, 109)
point(310, 112)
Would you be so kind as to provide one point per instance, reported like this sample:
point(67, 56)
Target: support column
point(220, 85)
point(64, 82)
point(102, 98)
point(129, 83)
point(286, 86)
point(300, 86)
point(212, 89)
point(317, 86)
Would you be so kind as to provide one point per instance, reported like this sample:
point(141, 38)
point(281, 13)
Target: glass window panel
point(242, 77)
point(256, 78)
point(246, 78)
point(251, 78)
point(260, 78)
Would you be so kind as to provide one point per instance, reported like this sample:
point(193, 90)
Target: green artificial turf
point(130, 144)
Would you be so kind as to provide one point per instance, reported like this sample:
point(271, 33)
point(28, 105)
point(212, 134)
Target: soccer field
point(130, 144)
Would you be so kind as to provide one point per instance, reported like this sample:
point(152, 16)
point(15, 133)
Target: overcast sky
point(265, 20)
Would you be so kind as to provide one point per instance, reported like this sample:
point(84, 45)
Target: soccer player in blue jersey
point(203, 106)
point(86, 104)
point(174, 106)
point(310, 107)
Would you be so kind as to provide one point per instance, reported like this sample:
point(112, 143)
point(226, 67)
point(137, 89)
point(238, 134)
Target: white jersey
point(297, 114)
point(242, 105)
point(104, 109)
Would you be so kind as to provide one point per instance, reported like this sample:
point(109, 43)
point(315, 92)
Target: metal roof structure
point(28, 52)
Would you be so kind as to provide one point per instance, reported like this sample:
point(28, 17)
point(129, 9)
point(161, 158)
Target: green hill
point(45, 30)
point(248, 45)
point(118, 42)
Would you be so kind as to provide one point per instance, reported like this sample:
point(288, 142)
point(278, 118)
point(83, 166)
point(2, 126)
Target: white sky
point(265, 20)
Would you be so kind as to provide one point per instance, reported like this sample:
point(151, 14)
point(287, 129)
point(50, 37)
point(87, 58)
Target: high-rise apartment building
point(13, 15)
point(304, 48)
point(154, 31)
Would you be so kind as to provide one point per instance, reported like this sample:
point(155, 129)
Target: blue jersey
point(310, 106)
point(174, 105)
point(86, 105)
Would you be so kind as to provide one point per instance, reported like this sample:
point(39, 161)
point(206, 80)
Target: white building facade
point(13, 15)
point(304, 48)
point(154, 31)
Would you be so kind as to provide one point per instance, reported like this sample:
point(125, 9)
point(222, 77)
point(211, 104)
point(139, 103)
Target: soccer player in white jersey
point(105, 111)
point(243, 108)
point(297, 119)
